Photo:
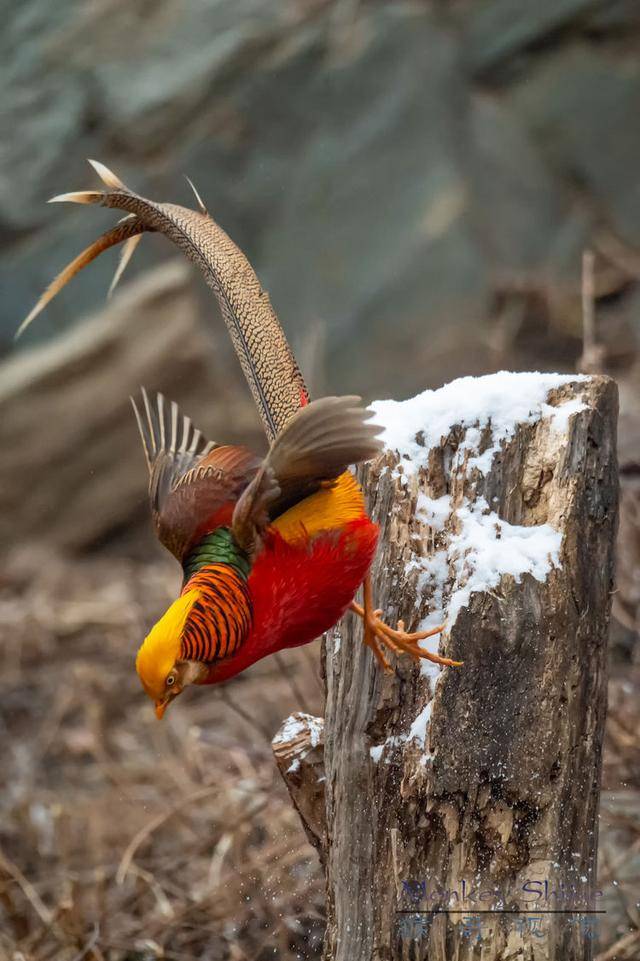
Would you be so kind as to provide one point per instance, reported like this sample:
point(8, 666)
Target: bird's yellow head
point(162, 673)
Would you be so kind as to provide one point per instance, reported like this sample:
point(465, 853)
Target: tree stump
point(461, 804)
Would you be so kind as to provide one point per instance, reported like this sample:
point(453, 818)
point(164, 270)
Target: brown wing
point(316, 446)
point(193, 483)
point(251, 513)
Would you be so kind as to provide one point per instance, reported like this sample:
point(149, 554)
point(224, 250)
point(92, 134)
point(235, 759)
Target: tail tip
point(199, 200)
point(108, 178)
point(77, 197)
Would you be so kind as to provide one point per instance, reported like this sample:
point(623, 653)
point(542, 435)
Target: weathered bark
point(505, 788)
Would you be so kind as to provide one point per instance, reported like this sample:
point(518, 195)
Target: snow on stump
point(453, 793)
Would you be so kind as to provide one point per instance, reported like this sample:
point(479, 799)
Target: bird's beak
point(161, 707)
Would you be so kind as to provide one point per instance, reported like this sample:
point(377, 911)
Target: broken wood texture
point(467, 789)
point(298, 748)
point(73, 473)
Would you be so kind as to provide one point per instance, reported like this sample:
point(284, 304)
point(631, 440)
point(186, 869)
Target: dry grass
point(619, 858)
point(123, 838)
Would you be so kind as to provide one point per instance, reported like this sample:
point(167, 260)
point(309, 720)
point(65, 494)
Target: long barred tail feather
point(126, 254)
point(266, 358)
point(127, 230)
point(108, 178)
point(199, 200)
point(78, 197)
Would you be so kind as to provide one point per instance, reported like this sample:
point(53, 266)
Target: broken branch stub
point(298, 748)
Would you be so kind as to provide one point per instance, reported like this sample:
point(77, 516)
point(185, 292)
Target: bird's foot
point(378, 635)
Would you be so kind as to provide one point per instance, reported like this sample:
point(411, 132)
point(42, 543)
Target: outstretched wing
point(314, 448)
point(193, 482)
point(171, 445)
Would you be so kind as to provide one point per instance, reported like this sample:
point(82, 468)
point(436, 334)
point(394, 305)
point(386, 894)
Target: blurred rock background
point(415, 184)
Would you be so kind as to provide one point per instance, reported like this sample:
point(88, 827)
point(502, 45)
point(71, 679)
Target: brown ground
point(124, 838)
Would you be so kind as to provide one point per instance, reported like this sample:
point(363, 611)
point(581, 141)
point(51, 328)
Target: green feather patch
point(219, 547)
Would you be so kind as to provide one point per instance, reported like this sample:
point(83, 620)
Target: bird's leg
point(402, 641)
point(378, 635)
point(370, 618)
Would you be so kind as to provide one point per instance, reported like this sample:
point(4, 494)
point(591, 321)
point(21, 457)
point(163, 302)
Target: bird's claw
point(378, 635)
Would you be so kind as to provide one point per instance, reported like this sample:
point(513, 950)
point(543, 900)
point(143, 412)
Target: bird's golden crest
point(161, 647)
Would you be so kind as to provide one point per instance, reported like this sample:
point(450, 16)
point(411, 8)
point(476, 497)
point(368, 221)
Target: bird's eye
point(171, 680)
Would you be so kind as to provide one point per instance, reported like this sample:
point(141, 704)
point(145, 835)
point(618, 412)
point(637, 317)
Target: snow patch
point(560, 416)
point(501, 401)
point(296, 724)
point(418, 730)
point(433, 512)
point(293, 726)
point(315, 729)
point(394, 740)
point(487, 547)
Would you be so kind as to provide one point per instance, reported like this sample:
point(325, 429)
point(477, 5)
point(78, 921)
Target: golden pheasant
point(273, 550)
